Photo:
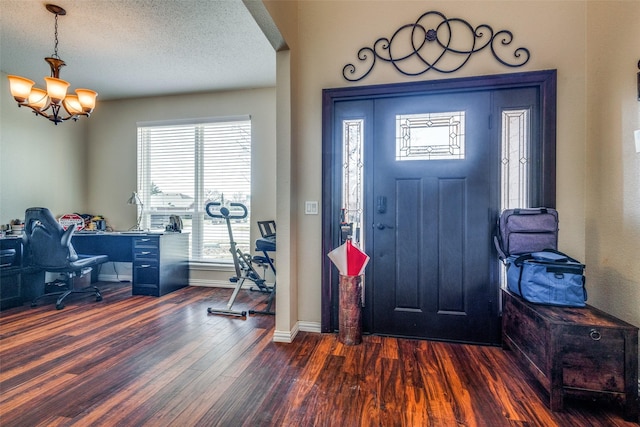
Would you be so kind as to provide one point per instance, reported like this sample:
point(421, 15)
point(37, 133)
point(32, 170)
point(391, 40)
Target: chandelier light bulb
point(38, 99)
point(56, 89)
point(87, 99)
point(72, 105)
point(20, 87)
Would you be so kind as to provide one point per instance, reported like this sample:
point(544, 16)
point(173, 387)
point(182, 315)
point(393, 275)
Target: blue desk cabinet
point(160, 260)
point(160, 263)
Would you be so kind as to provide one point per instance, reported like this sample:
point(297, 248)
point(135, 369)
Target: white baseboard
point(286, 336)
point(310, 327)
point(289, 336)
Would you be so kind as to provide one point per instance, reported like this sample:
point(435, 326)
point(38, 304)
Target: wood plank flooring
point(145, 361)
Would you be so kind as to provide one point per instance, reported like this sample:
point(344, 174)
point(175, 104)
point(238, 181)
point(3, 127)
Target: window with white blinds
point(183, 166)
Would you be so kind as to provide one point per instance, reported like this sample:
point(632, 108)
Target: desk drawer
point(145, 273)
point(146, 242)
point(146, 249)
point(140, 254)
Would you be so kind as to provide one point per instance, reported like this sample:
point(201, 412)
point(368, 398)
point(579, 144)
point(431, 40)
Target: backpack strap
point(501, 255)
point(555, 251)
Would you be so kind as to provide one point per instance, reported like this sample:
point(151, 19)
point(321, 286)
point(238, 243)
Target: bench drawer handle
point(595, 335)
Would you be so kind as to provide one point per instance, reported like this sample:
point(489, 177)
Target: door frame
point(545, 81)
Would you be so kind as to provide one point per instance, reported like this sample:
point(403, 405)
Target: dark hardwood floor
point(134, 361)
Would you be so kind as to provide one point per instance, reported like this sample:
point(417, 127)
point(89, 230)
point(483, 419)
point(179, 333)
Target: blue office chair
point(47, 247)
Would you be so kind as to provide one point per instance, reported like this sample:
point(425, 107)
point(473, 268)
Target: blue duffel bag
point(547, 277)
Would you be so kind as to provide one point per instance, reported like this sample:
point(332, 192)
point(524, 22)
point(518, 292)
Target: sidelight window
point(352, 175)
point(515, 162)
point(515, 158)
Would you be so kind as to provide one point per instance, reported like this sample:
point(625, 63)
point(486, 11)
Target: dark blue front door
point(433, 189)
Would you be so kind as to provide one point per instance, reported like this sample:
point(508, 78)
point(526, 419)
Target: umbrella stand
point(350, 312)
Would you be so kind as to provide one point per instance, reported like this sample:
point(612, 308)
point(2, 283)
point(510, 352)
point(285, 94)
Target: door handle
point(381, 226)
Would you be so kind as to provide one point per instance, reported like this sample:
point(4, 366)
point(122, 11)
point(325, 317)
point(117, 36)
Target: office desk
point(160, 260)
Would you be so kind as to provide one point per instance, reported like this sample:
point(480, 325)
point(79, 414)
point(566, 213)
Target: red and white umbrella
point(349, 259)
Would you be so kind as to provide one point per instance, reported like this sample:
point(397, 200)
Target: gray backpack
point(526, 230)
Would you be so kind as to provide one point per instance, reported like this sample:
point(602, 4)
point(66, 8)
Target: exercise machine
point(244, 263)
point(267, 243)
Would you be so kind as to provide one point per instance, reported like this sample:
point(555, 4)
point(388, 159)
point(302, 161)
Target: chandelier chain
point(55, 53)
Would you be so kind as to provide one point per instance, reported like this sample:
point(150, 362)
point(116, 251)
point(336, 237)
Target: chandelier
point(48, 103)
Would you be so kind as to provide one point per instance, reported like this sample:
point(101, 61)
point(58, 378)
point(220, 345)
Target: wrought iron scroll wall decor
point(437, 43)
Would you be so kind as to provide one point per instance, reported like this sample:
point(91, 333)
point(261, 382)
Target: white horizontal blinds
point(226, 178)
point(227, 160)
point(172, 166)
point(183, 166)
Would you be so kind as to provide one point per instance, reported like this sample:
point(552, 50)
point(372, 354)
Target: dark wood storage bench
point(582, 352)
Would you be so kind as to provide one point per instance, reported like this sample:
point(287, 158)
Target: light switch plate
point(636, 134)
point(311, 207)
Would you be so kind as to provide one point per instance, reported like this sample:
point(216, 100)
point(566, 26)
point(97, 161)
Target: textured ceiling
point(134, 48)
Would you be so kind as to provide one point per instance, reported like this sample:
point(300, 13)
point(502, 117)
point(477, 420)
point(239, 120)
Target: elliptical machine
point(243, 263)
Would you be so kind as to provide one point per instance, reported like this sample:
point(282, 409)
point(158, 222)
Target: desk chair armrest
point(65, 240)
